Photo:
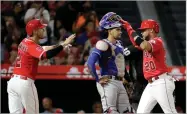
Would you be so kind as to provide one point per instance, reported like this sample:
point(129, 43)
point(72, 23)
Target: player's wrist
point(126, 24)
point(138, 40)
point(63, 44)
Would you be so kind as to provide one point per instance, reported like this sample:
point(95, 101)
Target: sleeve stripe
point(41, 55)
point(96, 53)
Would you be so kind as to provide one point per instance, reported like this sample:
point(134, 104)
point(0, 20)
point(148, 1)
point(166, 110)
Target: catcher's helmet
point(149, 23)
point(109, 21)
point(33, 25)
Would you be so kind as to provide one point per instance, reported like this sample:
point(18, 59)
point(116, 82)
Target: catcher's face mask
point(109, 21)
point(114, 18)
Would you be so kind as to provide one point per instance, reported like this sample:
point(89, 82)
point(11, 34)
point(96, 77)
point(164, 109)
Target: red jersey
point(154, 62)
point(26, 63)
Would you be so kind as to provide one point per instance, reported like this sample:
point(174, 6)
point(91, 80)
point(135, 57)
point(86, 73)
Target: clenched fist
point(104, 80)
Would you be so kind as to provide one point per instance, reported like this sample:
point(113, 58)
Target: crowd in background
point(49, 107)
point(63, 18)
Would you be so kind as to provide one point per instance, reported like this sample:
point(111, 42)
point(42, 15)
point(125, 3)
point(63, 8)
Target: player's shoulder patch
point(102, 45)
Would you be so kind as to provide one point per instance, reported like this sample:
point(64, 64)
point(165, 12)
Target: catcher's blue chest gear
point(111, 61)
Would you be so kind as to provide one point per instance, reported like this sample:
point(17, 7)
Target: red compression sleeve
point(130, 30)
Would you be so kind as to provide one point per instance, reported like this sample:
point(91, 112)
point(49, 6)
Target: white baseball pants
point(114, 97)
point(22, 94)
point(160, 91)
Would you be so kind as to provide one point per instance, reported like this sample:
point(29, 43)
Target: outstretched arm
point(46, 48)
point(135, 38)
point(51, 51)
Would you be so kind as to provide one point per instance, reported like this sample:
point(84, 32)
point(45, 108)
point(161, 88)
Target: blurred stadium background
point(65, 78)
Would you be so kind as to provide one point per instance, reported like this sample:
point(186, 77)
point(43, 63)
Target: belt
point(151, 80)
point(20, 76)
point(114, 77)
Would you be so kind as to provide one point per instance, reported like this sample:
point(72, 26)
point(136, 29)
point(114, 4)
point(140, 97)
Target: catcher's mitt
point(129, 87)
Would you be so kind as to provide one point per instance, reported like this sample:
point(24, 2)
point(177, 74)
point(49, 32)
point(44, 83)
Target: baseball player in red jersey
point(161, 86)
point(22, 93)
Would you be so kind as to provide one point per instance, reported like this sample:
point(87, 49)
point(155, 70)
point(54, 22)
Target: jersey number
point(18, 62)
point(126, 52)
point(150, 65)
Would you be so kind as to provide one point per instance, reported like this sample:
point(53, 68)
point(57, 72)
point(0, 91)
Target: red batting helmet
point(34, 25)
point(149, 23)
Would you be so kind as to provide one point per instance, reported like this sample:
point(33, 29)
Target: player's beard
point(40, 36)
point(147, 38)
